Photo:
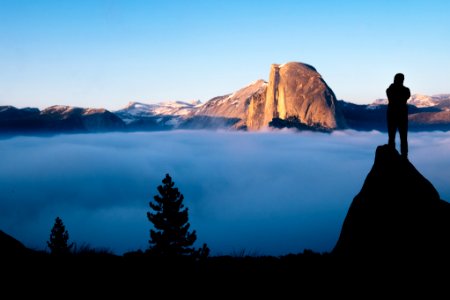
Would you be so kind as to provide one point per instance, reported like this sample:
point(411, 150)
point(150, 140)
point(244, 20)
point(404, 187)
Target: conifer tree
point(59, 237)
point(170, 236)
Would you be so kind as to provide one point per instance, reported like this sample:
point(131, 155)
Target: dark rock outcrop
point(9, 246)
point(397, 213)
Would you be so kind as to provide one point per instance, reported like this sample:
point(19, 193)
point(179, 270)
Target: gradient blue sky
point(106, 53)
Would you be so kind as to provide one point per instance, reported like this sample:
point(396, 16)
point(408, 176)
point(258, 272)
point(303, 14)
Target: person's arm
point(388, 93)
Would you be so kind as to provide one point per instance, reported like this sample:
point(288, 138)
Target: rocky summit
point(397, 214)
point(295, 91)
point(298, 91)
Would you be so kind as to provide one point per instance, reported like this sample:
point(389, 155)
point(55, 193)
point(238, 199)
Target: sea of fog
point(265, 193)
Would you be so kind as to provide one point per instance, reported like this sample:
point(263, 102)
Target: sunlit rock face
point(237, 106)
point(294, 90)
point(256, 111)
point(298, 90)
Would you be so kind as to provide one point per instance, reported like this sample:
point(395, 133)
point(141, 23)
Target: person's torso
point(398, 95)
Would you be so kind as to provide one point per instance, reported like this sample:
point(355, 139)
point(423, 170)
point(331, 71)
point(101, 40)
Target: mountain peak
point(66, 110)
point(294, 91)
point(133, 104)
point(61, 109)
point(398, 212)
point(294, 64)
point(297, 90)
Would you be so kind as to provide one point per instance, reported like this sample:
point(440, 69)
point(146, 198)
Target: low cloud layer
point(263, 193)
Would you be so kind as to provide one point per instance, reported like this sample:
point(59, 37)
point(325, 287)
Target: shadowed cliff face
point(397, 213)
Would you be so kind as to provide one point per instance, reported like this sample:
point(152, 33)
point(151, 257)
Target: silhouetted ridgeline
point(57, 119)
point(9, 246)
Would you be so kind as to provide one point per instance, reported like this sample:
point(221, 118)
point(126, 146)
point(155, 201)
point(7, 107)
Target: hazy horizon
point(268, 193)
point(106, 53)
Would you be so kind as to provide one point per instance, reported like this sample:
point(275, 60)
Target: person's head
point(399, 78)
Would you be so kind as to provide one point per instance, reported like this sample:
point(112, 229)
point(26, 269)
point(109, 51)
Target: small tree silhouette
point(58, 239)
point(171, 236)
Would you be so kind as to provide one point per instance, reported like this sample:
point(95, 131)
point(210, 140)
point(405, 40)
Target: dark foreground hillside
point(131, 277)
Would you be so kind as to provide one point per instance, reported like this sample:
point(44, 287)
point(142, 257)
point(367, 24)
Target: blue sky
point(106, 53)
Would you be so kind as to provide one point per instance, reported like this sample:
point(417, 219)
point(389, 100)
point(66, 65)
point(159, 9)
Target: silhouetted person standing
point(397, 113)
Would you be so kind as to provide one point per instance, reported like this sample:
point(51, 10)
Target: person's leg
point(403, 132)
point(392, 128)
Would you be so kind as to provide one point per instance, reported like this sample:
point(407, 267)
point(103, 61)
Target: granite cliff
point(294, 90)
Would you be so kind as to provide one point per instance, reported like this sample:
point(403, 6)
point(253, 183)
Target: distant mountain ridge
point(418, 100)
point(295, 95)
point(425, 113)
point(164, 115)
point(234, 109)
point(58, 118)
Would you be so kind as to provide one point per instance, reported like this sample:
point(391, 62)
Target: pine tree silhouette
point(59, 237)
point(171, 236)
